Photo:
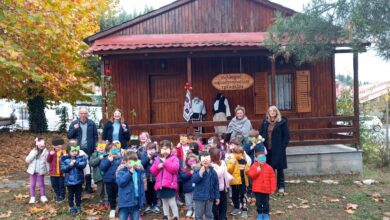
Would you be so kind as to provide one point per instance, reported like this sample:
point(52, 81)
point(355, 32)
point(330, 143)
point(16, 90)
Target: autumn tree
point(42, 49)
point(325, 24)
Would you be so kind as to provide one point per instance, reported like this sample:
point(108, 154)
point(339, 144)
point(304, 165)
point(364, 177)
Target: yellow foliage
point(43, 41)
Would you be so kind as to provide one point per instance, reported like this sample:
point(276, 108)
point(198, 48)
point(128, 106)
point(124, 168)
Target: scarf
point(270, 129)
point(135, 181)
point(242, 126)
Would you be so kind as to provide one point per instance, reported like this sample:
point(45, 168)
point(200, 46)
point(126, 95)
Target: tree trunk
point(37, 118)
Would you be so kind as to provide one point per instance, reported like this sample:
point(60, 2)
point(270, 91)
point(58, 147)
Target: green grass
point(318, 196)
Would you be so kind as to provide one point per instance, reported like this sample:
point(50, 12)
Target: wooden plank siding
point(206, 16)
point(131, 81)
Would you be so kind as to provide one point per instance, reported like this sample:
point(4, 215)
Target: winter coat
point(180, 152)
point(40, 162)
point(94, 161)
point(185, 177)
point(280, 139)
point(124, 136)
point(74, 175)
point(92, 135)
point(252, 153)
point(263, 181)
point(167, 176)
point(109, 169)
point(147, 164)
point(55, 162)
point(206, 185)
point(235, 171)
point(224, 177)
point(126, 189)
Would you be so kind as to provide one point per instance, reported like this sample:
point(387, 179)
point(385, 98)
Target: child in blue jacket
point(129, 178)
point(109, 166)
point(188, 186)
point(72, 165)
point(206, 188)
point(147, 160)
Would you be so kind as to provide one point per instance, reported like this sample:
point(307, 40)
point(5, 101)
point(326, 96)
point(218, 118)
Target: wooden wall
point(207, 16)
point(131, 80)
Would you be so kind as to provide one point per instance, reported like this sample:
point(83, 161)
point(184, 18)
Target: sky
point(371, 67)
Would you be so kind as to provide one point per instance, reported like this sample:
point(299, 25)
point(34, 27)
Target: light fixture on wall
point(163, 64)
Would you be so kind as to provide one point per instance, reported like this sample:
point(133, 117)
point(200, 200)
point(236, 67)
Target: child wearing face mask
point(147, 160)
point(109, 166)
point(73, 165)
point(38, 168)
point(94, 161)
point(166, 168)
point(263, 184)
point(238, 166)
point(188, 187)
point(56, 176)
point(206, 190)
point(129, 177)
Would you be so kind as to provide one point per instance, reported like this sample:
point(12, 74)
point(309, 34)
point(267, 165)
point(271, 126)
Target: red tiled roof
point(134, 42)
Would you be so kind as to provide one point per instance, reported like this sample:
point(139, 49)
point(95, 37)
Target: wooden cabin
point(151, 57)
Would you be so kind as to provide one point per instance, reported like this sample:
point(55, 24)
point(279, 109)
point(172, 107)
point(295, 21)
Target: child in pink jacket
point(166, 169)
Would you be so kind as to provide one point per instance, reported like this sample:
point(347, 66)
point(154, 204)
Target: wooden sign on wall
point(232, 81)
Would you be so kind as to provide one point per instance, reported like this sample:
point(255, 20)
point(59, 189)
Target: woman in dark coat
point(117, 129)
point(274, 129)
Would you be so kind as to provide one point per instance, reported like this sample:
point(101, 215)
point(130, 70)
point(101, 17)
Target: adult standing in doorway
point(84, 130)
point(117, 129)
point(240, 124)
point(274, 129)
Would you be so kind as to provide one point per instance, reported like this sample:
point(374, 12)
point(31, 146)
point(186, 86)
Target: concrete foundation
point(323, 160)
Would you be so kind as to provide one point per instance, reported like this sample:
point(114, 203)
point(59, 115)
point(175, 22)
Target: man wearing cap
point(84, 130)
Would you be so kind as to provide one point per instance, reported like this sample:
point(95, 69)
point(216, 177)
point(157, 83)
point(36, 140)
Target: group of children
point(137, 178)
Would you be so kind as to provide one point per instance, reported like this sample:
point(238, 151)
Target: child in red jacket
point(263, 184)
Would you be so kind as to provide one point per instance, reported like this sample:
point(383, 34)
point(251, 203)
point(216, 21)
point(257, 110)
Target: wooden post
point(273, 81)
point(356, 98)
point(103, 88)
point(189, 79)
point(189, 69)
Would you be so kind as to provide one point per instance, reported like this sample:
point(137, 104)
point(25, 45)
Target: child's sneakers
point(112, 214)
point(44, 199)
point(78, 210)
point(189, 213)
point(148, 209)
point(235, 212)
point(281, 190)
point(32, 200)
point(156, 209)
point(72, 211)
point(60, 200)
point(244, 214)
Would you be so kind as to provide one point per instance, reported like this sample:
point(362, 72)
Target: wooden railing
point(331, 130)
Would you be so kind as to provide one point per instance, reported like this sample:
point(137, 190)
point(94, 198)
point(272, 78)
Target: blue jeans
point(132, 212)
point(57, 182)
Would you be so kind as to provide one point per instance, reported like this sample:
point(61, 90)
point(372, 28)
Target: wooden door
point(166, 102)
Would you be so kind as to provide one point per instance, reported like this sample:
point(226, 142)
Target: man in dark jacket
point(85, 132)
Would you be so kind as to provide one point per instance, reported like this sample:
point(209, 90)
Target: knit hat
point(134, 140)
point(57, 141)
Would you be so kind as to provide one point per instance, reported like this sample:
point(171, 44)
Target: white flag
point(187, 110)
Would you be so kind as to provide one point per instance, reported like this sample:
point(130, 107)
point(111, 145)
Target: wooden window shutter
point(261, 93)
point(303, 93)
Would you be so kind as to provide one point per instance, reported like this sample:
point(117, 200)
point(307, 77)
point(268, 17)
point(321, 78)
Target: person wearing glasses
point(84, 130)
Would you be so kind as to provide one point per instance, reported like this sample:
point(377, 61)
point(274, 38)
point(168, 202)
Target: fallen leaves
point(5, 190)
point(5, 214)
point(350, 208)
point(21, 196)
point(377, 197)
point(35, 210)
point(335, 182)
